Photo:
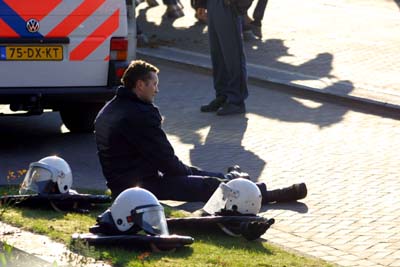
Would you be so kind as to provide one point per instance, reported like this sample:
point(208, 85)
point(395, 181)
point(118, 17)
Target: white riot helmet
point(239, 195)
point(139, 207)
point(50, 175)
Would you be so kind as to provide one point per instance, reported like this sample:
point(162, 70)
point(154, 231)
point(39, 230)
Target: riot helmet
point(137, 208)
point(50, 175)
point(239, 196)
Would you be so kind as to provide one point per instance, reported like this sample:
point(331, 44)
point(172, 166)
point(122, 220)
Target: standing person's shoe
point(201, 15)
point(247, 32)
point(174, 12)
point(152, 3)
point(256, 29)
point(214, 105)
point(138, 2)
point(291, 193)
point(230, 109)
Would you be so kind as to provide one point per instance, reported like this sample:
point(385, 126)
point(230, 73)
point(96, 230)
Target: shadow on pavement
point(217, 141)
point(28, 139)
point(269, 53)
point(397, 3)
point(222, 145)
point(298, 207)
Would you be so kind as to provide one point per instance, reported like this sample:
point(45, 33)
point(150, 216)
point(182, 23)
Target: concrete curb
point(42, 248)
point(256, 72)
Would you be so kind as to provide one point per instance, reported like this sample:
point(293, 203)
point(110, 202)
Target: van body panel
point(89, 25)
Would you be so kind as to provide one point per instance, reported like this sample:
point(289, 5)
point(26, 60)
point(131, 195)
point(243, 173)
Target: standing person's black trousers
point(259, 10)
point(227, 52)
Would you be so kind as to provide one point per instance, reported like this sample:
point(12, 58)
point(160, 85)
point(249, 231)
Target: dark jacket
point(131, 143)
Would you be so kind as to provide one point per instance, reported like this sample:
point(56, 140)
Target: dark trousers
point(170, 2)
point(259, 10)
point(227, 52)
point(198, 187)
point(192, 188)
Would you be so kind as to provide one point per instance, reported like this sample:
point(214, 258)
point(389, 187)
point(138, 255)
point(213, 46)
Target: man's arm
point(152, 143)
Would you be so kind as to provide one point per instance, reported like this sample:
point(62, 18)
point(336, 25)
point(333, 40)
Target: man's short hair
point(137, 70)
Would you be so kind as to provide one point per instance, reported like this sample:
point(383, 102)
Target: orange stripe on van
point(37, 9)
point(96, 38)
point(107, 58)
point(73, 20)
point(7, 31)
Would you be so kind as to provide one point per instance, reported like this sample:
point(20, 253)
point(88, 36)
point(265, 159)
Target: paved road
point(27, 139)
point(348, 158)
point(347, 155)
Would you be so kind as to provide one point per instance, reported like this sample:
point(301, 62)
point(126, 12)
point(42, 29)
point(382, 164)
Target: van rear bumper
point(54, 96)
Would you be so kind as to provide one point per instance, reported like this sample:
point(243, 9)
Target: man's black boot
point(291, 193)
point(256, 29)
point(214, 105)
point(230, 109)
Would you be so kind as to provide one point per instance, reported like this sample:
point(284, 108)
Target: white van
point(64, 55)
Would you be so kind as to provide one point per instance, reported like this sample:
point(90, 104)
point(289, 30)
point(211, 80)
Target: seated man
point(134, 150)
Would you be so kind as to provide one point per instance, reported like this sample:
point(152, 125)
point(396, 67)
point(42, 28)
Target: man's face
point(147, 90)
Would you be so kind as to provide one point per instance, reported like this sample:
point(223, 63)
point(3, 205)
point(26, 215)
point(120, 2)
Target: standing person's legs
point(258, 16)
point(173, 11)
point(218, 67)
point(228, 54)
point(258, 13)
point(218, 63)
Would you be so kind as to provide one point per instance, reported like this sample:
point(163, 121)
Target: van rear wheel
point(80, 119)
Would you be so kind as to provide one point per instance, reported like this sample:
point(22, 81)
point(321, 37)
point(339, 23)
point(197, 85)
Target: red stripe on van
point(6, 31)
point(37, 9)
point(96, 38)
point(73, 20)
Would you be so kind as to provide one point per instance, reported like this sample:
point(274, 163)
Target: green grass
point(209, 249)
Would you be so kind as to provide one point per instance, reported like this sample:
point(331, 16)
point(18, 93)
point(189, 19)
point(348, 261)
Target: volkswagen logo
point(32, 25)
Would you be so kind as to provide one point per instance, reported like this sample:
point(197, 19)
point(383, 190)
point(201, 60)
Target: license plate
point(54, 52)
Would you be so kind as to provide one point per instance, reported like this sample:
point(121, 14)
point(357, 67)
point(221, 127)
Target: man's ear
point(139, 84)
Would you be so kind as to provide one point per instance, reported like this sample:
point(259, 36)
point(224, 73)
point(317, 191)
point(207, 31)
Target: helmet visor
point(151, 219)
point(38, 179)
point(218, 200)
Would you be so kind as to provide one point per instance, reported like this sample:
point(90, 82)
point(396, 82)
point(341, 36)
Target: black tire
point(80, 119)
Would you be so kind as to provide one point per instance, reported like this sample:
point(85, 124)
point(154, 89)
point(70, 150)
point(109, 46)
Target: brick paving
point(347, 156)
point(349, 48)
